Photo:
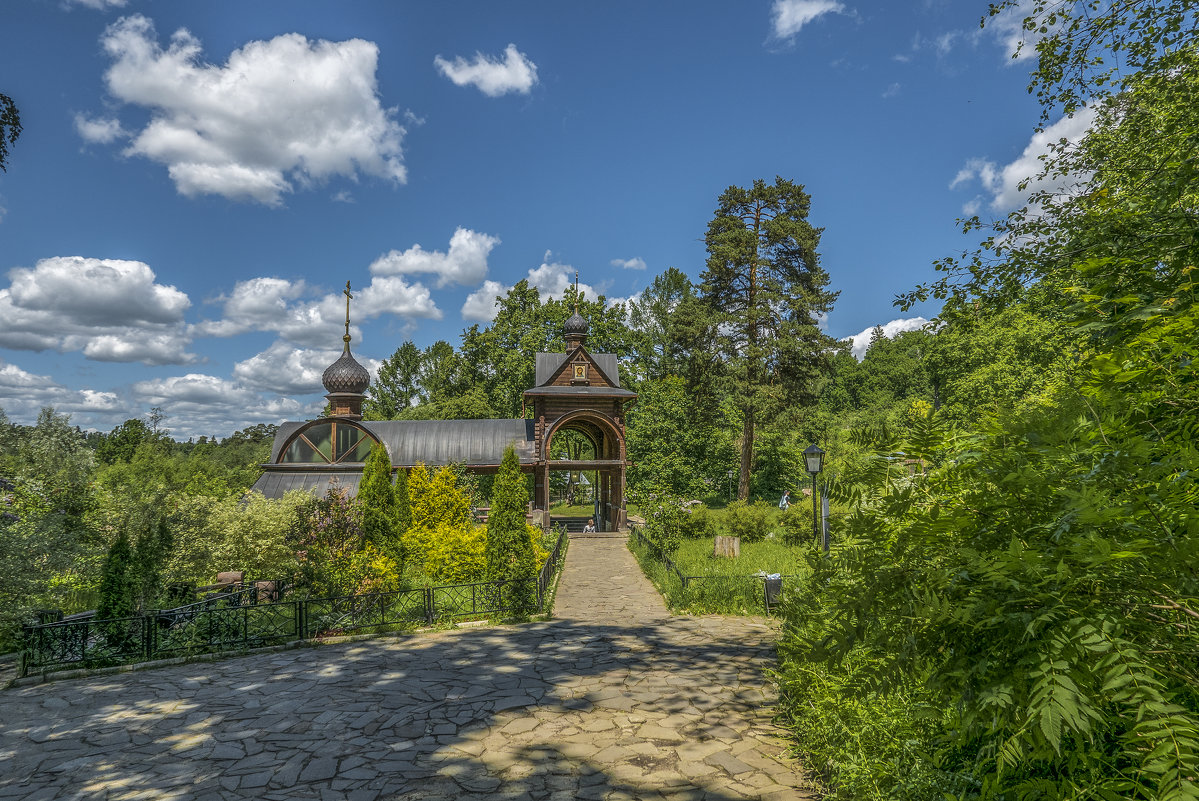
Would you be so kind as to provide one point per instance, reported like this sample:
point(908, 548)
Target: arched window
point(329, 442)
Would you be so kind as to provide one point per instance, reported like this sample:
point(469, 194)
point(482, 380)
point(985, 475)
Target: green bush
point(456, 555)
point(796, 524)
point(378, 500)
point(255, 534)
point(437, 499)
point(116, 581)
point(698, 523)
point(751, 522)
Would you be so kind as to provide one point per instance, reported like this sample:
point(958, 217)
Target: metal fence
point(714, 590)
point(243, 620)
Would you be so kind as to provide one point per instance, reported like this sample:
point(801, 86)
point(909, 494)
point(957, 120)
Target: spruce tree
point(510, 556)
point(378, 501)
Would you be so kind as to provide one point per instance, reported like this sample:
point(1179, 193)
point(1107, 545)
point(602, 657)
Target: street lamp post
point(814, 459)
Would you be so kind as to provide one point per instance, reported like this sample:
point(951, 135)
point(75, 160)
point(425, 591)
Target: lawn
point(694, 558)
point(704, 584)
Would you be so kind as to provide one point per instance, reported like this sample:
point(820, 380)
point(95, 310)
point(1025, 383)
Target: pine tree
point(510, 556)
point(764, 292)
point(378, 501)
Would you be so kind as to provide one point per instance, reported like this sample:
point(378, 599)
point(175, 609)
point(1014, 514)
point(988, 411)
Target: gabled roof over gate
point(548, 365)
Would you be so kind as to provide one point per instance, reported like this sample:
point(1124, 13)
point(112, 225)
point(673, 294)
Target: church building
point(573, 391)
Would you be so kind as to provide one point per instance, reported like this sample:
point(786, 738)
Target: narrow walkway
point(615, 700)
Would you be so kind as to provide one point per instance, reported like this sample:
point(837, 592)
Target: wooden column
point(601, 493)
point(620, 516)
point(541, 486)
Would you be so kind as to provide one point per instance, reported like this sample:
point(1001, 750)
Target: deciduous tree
point(396, 386)
point(10, 128)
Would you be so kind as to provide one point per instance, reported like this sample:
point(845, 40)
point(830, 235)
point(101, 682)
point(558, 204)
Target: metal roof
point(438, 442)
point(549, 363)
point(276, 484)
point(477, 443)
point(604, 392)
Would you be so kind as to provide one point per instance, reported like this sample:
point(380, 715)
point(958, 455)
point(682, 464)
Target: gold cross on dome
point(346, 292)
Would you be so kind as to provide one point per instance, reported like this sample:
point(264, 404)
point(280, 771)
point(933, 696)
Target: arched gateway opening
point(576, 399)
point(599, 466)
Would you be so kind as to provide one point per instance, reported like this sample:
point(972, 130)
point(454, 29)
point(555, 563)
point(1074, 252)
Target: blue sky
point(197, 181)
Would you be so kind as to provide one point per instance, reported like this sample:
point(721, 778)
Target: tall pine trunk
point(747, 454)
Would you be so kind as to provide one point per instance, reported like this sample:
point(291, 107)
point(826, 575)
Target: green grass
point(577, 510)
point(723, 586)
point(695, 558)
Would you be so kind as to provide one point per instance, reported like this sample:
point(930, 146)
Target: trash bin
point(773, 589)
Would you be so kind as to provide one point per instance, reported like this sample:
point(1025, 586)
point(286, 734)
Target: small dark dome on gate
point(346, 374)
point(576, 325)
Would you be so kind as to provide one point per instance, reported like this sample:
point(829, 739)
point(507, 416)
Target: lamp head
point(814, 458)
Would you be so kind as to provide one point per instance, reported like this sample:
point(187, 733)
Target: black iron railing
point(248, 619)
point(761, 590)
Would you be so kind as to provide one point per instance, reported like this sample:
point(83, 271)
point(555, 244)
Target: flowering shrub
point(334, 558)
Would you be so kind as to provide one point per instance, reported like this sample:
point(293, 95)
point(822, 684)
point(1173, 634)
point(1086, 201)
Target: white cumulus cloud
point(492, 76)
point(481, 304)
point(289, 309)
point(789, 16)
point(635, 263)
point(109, 309)
point(198, 404)
point(98, 5)
point(1005, 185)
point(278, 113)
point(289, 370)
point(99, 129)
point(464, 263)
point(551, 279)
point(861, 342)
point(23, 394)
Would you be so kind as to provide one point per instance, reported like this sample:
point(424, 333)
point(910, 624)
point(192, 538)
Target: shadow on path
point(675, 708)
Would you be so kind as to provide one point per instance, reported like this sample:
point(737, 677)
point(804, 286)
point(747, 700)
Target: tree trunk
point(747, 454)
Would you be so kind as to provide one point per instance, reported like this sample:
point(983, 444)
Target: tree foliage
point(764, 292)
point(10, 128)
point(509, 554)
point(1018, 595)
point(377, 498)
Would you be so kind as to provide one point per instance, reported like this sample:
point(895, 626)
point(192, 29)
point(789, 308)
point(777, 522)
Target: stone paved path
point(616, 699)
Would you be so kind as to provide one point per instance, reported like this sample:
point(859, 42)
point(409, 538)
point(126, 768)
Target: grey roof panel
point(549, 363)
point(607, 362)
point(606, 392)
point(439, 442)
point(275, 484)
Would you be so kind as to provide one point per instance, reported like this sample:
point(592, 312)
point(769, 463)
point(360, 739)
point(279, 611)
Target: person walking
point(785, 501)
